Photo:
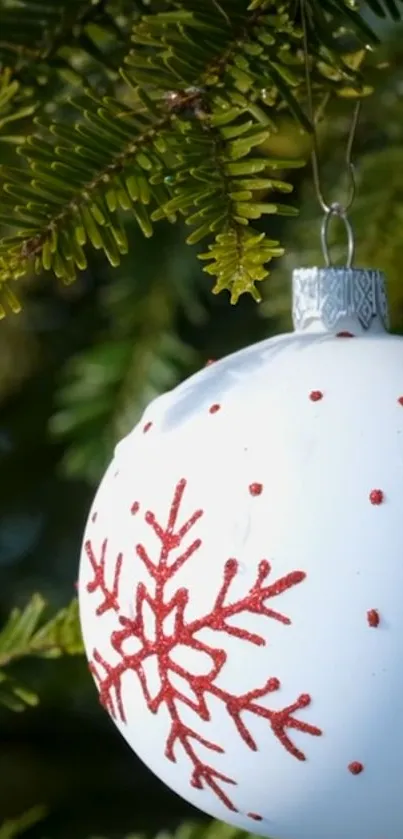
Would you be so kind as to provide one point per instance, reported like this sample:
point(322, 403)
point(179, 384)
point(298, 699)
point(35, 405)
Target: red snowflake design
point(109, 676)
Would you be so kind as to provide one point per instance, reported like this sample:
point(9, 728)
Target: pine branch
point(15, 827)
point(94, 413)
point(385, 8)
point(206, 83)
point(32, 36)
point(137, 356)
point(193, 830)
point(13, 107)
point(25, 634)
point(238, 260)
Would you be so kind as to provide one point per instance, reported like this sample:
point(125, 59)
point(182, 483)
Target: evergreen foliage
point(136, 355)
point(202, 86)
point(26, 634)
point(15, 827)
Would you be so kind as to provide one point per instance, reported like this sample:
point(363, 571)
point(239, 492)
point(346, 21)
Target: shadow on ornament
point(215, 382)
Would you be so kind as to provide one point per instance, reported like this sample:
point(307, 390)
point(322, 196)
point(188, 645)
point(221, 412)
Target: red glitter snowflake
point(184, 632)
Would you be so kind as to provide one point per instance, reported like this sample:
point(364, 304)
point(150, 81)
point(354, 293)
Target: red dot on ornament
point(376, 496)
point(373, 617)
point(94, 517)
point(400, 400)
point(210, 361)
point(344, 335)
point(135, 508)
point(147, 427)
point(255, 817)
point(255, 489)
point(316, 395)
point(214, 408)
point(355, 767)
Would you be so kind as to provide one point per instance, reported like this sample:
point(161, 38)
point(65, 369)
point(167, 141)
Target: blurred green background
point(77, 368)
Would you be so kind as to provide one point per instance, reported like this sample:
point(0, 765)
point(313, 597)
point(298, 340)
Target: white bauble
point(241, 581)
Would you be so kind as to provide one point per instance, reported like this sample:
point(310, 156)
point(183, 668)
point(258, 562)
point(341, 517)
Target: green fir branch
point(95, 411)
point(194, 830)
point(13, 107)
point(203, 87)
point(27, 634)
point(238, 260)
point(385, 8)
point(32, 35)
point(137, 355)
point(12, 828)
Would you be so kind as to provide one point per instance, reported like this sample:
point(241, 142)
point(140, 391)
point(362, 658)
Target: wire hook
point(334, 208)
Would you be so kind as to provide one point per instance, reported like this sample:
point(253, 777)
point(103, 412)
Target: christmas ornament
point(241, 576)
point(241, 573)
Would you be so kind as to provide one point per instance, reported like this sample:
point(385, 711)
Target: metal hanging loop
point(337, 210)
point(330, 209)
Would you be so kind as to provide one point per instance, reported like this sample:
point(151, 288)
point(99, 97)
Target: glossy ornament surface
point(242, 574)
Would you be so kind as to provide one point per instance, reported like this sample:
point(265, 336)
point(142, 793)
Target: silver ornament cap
point(338, 299)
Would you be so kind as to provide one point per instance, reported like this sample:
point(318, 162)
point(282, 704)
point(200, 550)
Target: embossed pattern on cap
point(334, 299)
